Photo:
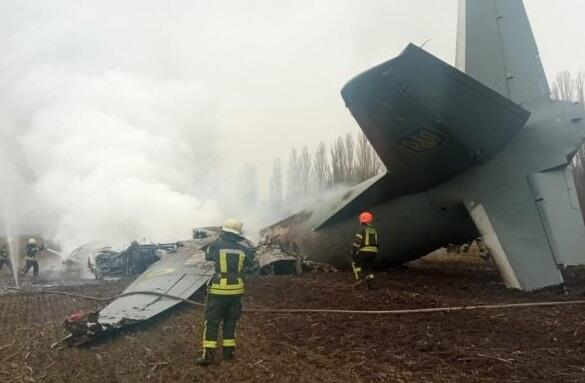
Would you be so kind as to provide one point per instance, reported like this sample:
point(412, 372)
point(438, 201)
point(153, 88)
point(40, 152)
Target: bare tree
point(321, 170)
point(349, 166)
point(293, 176)
point(275, 186)
point(367, 163)
point(567, 88)
point(248, 185)
point(337, 152)
point(305, 171)
point(564, 87)
point(580, 89)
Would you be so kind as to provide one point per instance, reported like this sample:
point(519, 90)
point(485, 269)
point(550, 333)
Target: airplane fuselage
point(413, 225)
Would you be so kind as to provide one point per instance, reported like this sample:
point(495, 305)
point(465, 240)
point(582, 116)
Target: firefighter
point(365, 249)
point(30, 255)
point(232, 255)
point(4, 260)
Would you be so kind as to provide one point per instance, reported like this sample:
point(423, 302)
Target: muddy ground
point(513, 345)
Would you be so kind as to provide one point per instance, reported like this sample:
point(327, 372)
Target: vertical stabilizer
point(495, 45)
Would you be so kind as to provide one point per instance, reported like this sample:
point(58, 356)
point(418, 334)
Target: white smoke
point(101, 146)
point(115, 156)
point(119, 120)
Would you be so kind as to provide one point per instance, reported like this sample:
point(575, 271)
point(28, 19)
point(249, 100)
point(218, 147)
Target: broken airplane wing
point(180, 275)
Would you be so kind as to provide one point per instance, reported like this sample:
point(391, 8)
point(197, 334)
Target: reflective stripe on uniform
point(224, 287)
point(223, 261)
point(369, 232)
point(369, 240)
point(220, 291)
point(209, 344)
point(228, 343)
point(241, 262)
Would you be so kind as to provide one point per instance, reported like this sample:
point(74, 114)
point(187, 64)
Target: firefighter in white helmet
point(30, 256)
point(232, 255)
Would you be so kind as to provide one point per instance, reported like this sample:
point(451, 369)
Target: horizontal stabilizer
point(509, 222)
point(428, 121)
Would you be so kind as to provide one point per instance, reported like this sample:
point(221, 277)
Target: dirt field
point(514, 345)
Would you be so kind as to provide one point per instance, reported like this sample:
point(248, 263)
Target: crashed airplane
point(477, 150)
point(164, 284)
point(160, 287)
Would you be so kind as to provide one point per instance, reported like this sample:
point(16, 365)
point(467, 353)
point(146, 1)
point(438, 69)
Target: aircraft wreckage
point(164, 284)
point(481, 150)
point(477, 151)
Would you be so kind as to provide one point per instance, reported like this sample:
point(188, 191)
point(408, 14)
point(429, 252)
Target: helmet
point(32, 241)
point(232, 226)
point(366, 217)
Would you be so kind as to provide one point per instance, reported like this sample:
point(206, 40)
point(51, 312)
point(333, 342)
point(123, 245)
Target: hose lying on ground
point(320, 311)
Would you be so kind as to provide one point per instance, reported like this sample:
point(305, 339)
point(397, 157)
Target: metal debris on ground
point(480, 248)
point(133, 260)
point(179, 275)
point(273, 260)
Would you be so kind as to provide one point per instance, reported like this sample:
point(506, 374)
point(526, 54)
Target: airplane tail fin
point(495, 46)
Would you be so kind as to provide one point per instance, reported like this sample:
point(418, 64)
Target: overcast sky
point(98, 92)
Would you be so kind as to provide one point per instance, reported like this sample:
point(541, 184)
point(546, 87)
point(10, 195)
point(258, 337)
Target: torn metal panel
point(265, 255)
point(180, 275)
point(273, 260)
point(133, 260)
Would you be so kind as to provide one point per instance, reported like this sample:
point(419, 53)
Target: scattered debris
point(178, 275)
point(83, 326)
point(480, 248)
point(164, 280)
point(318, 267)
point(200, 233)
point(273, 260)
point(133, 260)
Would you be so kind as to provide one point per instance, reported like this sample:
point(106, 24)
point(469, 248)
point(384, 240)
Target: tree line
point(350, 159)
point(347, 161)
point(569, 88)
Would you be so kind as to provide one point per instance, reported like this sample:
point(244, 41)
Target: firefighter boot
point(229, 353)
point(370, 282)
point(207, 358)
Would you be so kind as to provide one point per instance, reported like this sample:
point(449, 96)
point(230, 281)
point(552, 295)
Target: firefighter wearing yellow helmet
point(232, 255)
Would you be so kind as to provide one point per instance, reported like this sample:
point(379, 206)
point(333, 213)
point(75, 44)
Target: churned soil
point(514, 345)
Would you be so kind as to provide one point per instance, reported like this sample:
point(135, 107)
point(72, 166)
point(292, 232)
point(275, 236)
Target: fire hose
point(319, 311)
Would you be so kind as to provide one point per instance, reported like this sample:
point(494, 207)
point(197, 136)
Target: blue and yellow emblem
point(421, 140)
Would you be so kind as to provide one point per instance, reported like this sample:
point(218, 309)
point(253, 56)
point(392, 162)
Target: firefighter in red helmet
point(365, 249)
